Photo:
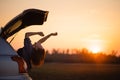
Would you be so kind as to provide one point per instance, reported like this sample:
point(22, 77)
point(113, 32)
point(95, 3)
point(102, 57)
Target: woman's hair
point(19, 51)
point(37, 56)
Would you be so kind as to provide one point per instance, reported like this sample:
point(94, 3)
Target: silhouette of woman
point(34, 53)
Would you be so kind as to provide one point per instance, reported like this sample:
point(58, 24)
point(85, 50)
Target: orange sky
point(92, 24)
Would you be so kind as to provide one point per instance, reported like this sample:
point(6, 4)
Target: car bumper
point(16, 77)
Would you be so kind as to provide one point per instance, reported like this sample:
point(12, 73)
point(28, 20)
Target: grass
point(61, 71)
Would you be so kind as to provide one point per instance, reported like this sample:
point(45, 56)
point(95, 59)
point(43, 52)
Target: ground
point(62, 71)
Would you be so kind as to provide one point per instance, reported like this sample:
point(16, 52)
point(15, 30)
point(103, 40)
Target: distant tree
point(81, 56)
point(114, 52)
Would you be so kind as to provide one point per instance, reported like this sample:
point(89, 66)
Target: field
point(62, 71)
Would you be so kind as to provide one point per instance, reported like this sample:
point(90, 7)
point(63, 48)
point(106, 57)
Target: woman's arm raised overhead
point(46, 37)
point(28, 34)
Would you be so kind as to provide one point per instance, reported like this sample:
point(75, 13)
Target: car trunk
point(9, 59)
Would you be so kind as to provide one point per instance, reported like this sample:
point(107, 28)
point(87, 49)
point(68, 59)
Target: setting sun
point(95, 49)
point(94, 43)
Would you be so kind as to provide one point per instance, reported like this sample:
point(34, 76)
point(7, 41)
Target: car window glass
point(15, 26)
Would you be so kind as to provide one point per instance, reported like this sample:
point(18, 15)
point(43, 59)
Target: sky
point(91, 24)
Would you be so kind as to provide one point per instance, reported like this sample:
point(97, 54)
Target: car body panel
point(6, 49)
point(8, 67)
point(24, 76)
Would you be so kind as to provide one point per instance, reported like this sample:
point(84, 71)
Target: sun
point(95, 49)
point(95, 43)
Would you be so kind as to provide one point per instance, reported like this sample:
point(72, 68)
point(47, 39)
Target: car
point(12, 66)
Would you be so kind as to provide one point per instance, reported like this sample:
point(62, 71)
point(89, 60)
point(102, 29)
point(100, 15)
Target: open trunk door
point(25, 19)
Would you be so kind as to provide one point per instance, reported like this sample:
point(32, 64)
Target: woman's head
point(37, 56)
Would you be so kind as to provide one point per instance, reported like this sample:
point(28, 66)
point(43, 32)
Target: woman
point(34, 53)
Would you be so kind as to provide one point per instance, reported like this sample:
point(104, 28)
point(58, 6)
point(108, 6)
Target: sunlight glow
point(94, 43)
point(95, 49)
point(90, 24)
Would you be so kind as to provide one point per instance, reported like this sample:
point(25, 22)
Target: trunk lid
point(26, 18)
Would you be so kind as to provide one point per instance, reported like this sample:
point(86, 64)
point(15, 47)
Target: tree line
point(81, 56)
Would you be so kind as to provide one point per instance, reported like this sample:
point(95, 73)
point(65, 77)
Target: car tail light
point(21, 63)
